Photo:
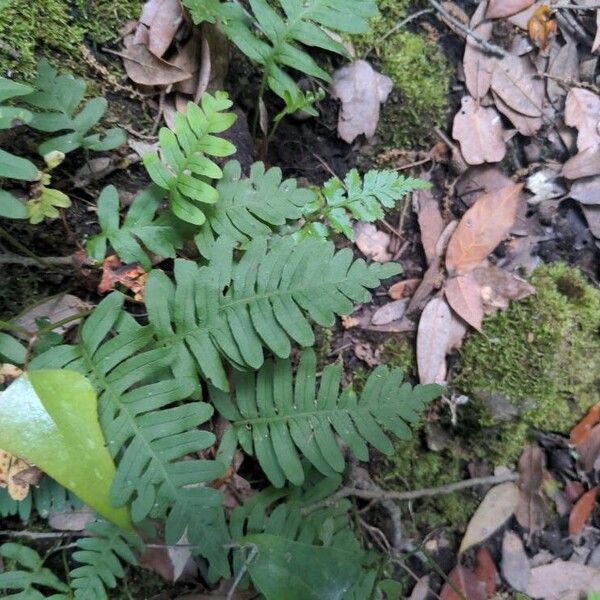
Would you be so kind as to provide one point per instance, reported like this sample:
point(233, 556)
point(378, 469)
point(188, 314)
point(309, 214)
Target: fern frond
point(274, 417)
point(101, 556)
point(33, 573)
point(147, 426)
point(232, 310)
point(140, 226)
point(185, 168)
point(277, 38)
point(251, 207)
point(59, 97)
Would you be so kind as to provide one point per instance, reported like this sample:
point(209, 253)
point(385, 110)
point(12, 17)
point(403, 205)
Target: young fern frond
point(147, 425)
point(275, 416)
point(276, 39)
point(140, 226)
point(185, 168)
point(251, 207)
point(59, 97)
point(32, 574)
point(101, 556)
point(232, 309)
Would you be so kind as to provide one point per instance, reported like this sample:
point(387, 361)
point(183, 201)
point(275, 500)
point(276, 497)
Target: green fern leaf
point(185, 167)
point(59, 97)
point(101, 557)
point(273, 418)
point(140, 226)
point(252, 207)
point(147, 426)
point(33, 573)
point(234, 309)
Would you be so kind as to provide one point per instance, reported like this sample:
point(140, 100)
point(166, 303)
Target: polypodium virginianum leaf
point(185, 167)
point(274, 415)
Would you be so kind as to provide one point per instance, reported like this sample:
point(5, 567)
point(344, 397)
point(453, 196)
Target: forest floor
point(520, 335)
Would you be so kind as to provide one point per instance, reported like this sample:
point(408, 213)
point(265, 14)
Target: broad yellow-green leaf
point(50, 418)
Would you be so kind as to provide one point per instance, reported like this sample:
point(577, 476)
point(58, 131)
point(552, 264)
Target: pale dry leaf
point(583, 164)
point(514, 82)
point(361, 90)
point(479, 132)
point(71, 520)
point(164, 25)
point(592, 216)
point(514, 565)
point(392, 311)
point(586, 191)
point(521, 19)
point(432, 340)
point(527, 126)
point(144, 68)
point(477, 64)
point(367, 353)
point(458, 331)
point(482, 228)
point(553, 580)
point(149, 11)
point(372, 242)
point(463, 294)
point(431, 222)
point(582, 111)
point(564, 66)
point(499, 9)
point(495, 509)
point(596, 43)
point(404, 289)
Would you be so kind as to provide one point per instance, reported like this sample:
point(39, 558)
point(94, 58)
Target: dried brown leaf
point(582, 511)
point(592, 216)
point(527, 126)
point(480, 180)
point(464, 296)
point(531, 509)
point(582, 111)
point(500, 287)
point(580, 432)
point(431, 222)
point(165, 23)
point(485, 570)
point(479, 132)
point(404, 289)
point(146, 69)
point(462, 584)
point(482, 228)
point(564, 65)
point(498, 9)
point(514, 565)
point(432, 339)
point(596, 43)
point(583, 164)
point(513, 81)
point(477, 64)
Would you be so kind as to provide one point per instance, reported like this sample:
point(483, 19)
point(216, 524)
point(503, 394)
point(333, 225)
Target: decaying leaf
point(17, 475)
point(463, 584)
point(582, 111)
point(432, 339)
point(431, 222)
point(596, 43)
point(513, 81)
point(480, 180)
point(71, 520)
point(589, 449)
point(372, 242)
point(132, 276)
point(361, 90)
point(392, 311)
point(482, 228)
point(479, 132)
point(542, 26)
point(552, 581)
point(464, 296)
point(525, 125)
point(500, 287)
point(404, 289)
point(145, 68)
point(531, 509)
point(515, 566)
point(496, 508)
point(582, 511)
point(497, 9)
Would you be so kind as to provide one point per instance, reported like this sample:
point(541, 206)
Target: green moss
point(103, 19)
point(535, 366)
point(420, 74)
point(399, 352)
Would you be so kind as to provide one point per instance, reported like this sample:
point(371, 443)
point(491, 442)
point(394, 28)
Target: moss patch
point(535, 366)
point(420, 74)
point(103, 19)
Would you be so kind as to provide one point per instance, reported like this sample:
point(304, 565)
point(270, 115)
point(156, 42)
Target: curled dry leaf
point(372, 242)
point(463, 584)
point(589, 449)
point(514, 565)
point(464, 296)
point(582, 111)
point(361, 90)
point(586, 191)
point(531, 509)
point(431, 222)
point(432, 339)
point(482, 228)
point(582, 511)
point(513, 81)
point(17, 475)
point(479, 132)
point(404, 289)
point(498, 9)
point(583, 164)
point(496, 508)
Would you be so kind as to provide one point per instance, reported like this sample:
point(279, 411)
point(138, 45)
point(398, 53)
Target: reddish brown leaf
point(464, 296)
point(463, 585)
point(531, 509)
point(431, 223)
point(404, 289)
point(479, 132)
point(589, 449)
point(432, 340)
point(480, 180)
point(582, 111)
point(582, 511)
point(498, 9)
point(132, 276)
point(482, 228)
point(583, 164)
point(485, 570)
point(581, 431)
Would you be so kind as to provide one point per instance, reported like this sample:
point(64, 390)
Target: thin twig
point(25, 261)
point(242, 572)
point(485, 45)
point(21, 247)
point(576, 7)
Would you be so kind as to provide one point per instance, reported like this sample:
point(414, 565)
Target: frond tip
point(274, 417)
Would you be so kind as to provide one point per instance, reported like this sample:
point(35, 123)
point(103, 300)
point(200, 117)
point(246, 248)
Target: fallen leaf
point(431, 223)
point(132, 276)
point(71, 520)
point(477, 64)
point(164, 25)
point(485, 570)
point(514, 565)
point(463, 585)
point(531, 509)
point(553, 580)
point(458, 331)
point(521, 19)
point(404, 289)
point(513, 81)
point(17, 475)
point(564, 66)
point(144, 68)
point(580, 432)
point(582, 111)
point(464, 296)
point(500, 287)
point(392, 311)
point(372, 242)
point(432, 339)
point(596, 43)
point(497, 9)
point(542, 26)
point(361, 90)
point(583, 164)
point(432, 280)
point(479, 132)
point(589, 449)
point(527, 126)
point(480, 180)
point(482, 228)
point(582, 511)
point(188, 59)
point(592, 216)
point(496, 508)
point(586, 191)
